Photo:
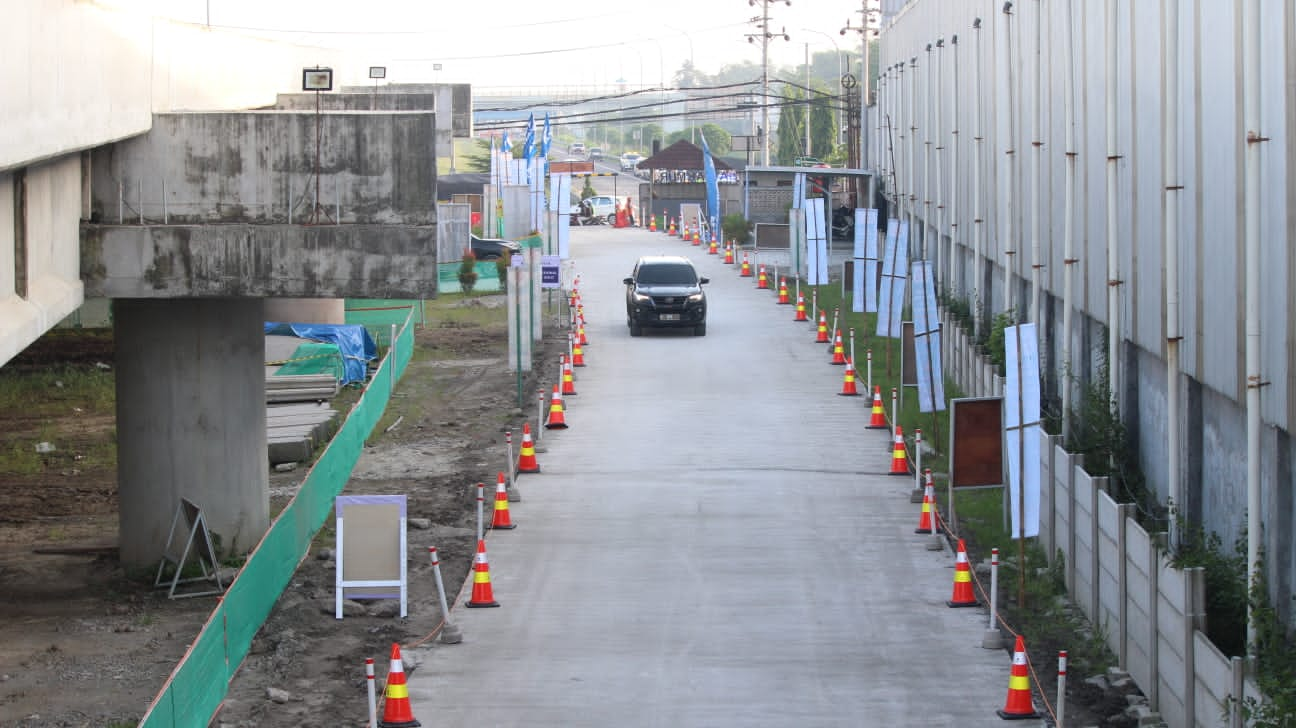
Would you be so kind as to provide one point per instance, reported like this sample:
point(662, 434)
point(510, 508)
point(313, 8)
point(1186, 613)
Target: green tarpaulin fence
point(199, 683)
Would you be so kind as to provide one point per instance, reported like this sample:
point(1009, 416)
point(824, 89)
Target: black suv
point(666, 291)
point(492, 248)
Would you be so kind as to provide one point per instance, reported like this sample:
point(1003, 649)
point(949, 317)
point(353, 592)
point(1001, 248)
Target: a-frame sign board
point(197, 543)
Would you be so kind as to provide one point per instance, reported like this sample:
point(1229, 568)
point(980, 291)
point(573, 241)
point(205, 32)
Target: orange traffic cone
point(501, 518)
point(878, 419)
point(848, 382)
point(578, 354)
point(783, 291)
point(526, 455)
point(714, 249)
point(838, 355)
point(761, 280)
point(728, 258)
point(697, 239)
point(821, 334)
point(568, 381)
point(671, 231)
point(482, 594)
point(396, 703)
point(652, 224)
point(928, 504)
point(800, 308)
point(899, 466)
point(580, 330)
point(745, 271)
point(556, 420)
point(963, 596)
point(1019, 705)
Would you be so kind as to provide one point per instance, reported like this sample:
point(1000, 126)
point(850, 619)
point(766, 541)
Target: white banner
point(891, 296)
point(1022, 427)
point(816, 244)
point(560, 196)
point(927, 351)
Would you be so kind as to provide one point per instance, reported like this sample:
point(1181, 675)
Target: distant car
point(629, 161)
point(576, 148)
point(665, 291)
point(492, 248)
point(602, 206)
point(596, 153)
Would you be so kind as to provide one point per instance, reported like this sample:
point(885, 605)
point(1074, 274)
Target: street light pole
point(866, 15)
point(765, 35)
point(840, 91)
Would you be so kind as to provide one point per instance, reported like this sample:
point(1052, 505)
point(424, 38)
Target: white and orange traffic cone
point(877, 419)
point(396, 702)
point(482, 594)
point(556, 419)
point(800, 308)
point(899, 464)
point(821, 333)
point(714, 248)
point(745, 271)
point(928, 505)
point(783, 292)
point(762, 280)
point(838, 353)
point(963, 596)
point(502, 519)
point(1019, 705)
point(729, 254)
point(848, 382)
point(568, 381)
point(526, 454)
point(578, 354)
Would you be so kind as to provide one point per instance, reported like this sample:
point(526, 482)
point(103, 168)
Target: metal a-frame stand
point(200, 548)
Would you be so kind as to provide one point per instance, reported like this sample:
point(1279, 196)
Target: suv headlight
point(641, 298)
point(695, 298)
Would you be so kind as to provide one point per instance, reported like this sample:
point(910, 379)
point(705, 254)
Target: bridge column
point(191, 421)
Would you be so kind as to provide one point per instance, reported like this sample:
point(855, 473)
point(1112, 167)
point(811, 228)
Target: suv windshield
point(667, 274)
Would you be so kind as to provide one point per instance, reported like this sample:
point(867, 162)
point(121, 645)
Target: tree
point(689, 77)
point(823, 126)
point(790, 134)
point(479, 160)
point(719, 140)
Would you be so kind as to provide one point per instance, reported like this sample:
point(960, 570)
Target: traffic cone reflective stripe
point(526, 455)
point(396, 703)
point(714, 249)
point(1019, 705)
point(728, 257)
point(556, 420)
point(568, 381)
point(838, 354)
point(899, 466)
point(783, 291)
point(482, 594)
point(762, 281)
point(745, 271)
point(578, 355)
point(963, 596)
point(502, 518)
point(800, 308)
point(821, 334)
point(878, 419)
point(848, 382)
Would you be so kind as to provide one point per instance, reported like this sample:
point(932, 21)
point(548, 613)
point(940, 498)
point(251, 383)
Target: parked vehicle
point(629, 161)
point(596, 153)
point(665, 291)
point(492, 248)
point(603, 207)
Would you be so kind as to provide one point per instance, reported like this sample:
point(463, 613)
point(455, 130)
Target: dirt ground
point(83, 643)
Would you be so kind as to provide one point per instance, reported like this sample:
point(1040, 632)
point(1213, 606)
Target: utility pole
point(762, 23)
point(866, 16)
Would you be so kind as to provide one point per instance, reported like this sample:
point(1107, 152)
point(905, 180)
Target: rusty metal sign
point(976, 442)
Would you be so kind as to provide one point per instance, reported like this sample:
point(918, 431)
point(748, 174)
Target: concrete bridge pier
point(191, 421)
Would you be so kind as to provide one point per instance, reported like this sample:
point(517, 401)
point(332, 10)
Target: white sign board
point(1022, 427)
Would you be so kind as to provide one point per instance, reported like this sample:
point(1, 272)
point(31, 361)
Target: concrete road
point(714, 541)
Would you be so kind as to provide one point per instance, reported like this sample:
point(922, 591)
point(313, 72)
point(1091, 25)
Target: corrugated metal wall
point(1210, 220)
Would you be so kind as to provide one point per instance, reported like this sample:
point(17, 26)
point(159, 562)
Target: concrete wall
point(356, 99)
point(305, 261)
point(1209, 214)
point(374, 167)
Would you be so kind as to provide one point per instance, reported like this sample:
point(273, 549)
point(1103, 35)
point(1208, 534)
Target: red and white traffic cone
point(838, 353)
point(526, 455)
point(848, 382)
point(482, 594)
point(762, 280)
point(568, 381)
point(821, 333)
point(396, 702)
point(729, 254)
point(502, 518)
point(963, 596)
point(745, 271)
point(899, 464)
point(877, 419)
point(800, 308)
point(1019, 705)
point(928, 505)
point(556, 419)
point(783, 291)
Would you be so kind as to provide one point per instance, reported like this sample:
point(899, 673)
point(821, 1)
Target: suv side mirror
point(629, 281)
point(703, 281)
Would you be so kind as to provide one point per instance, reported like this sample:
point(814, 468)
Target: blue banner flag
point(528, 142)
point(506, 146)
point(547, 138)
point(712, 186)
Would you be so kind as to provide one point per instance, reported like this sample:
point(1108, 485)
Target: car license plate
point(669, 317)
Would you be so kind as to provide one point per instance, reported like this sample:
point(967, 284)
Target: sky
point(585, 47)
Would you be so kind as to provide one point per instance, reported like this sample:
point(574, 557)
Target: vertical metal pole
point(1170, 244)
point(481, 501)
point(1113, 261)
point(1061, 684)
point(139, 198)
point(391, 363)
point(765, 39)
point(165, 213)
point(918, 477)
point(978, 168)
point(868, 354)
point(1010, 167)
point(937, 92)
point(373, 698)
point(1037, 177)
point(928, 108)
point(993, 640)
point(508, 454)
point(1068, 218)
point(954, 173)
point(450, 634)
point(1251, 197)
point(895, 413)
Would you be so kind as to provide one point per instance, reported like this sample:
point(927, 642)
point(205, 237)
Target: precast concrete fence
point(1150, 614)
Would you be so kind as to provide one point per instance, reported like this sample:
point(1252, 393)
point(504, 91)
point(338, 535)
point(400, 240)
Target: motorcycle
point(843, 223)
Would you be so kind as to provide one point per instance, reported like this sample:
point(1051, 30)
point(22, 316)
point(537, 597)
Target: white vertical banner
point(1022, 427)
point(560, 194)
point(865, 276)
point(796, 240)
point(927, 352)
point(536, 186)
point(873, 261)
point(798, 190)
point(816, 243)
point(895, 264)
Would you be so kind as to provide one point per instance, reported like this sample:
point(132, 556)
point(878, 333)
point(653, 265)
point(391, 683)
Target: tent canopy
point(681, 155)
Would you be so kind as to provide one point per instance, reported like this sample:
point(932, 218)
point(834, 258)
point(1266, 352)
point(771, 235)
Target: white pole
point(1068, 219)
point(1061, 689)
point(954, 271)
point(1170, 159)
point(1113, 262)
point(765, 39)
point(923, 250)
point(937, 93)
point(450, 634)
point(1251, 124)
point(978, 215)
point(1037, 151)
point(373, 697)
point(993, 639)
point(914, 236)
point(807, 99)
point(1009, 242)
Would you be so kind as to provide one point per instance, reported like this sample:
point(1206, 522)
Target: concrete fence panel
point(1142, 555)
point(1180, 604)
point(1110, 573)
point(1085, 523)
point(1214, 683)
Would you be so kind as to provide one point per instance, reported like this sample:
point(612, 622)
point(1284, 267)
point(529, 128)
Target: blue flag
point(547, 138)
point(712, 186)
point(506, 146)
point(528, 143)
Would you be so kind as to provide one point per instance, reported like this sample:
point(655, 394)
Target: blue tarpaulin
point(352, 340)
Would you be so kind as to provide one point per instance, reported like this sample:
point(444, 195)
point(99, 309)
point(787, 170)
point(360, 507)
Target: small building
point(676, 177)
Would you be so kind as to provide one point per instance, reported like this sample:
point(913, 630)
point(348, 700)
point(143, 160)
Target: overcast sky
point(537, 42)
